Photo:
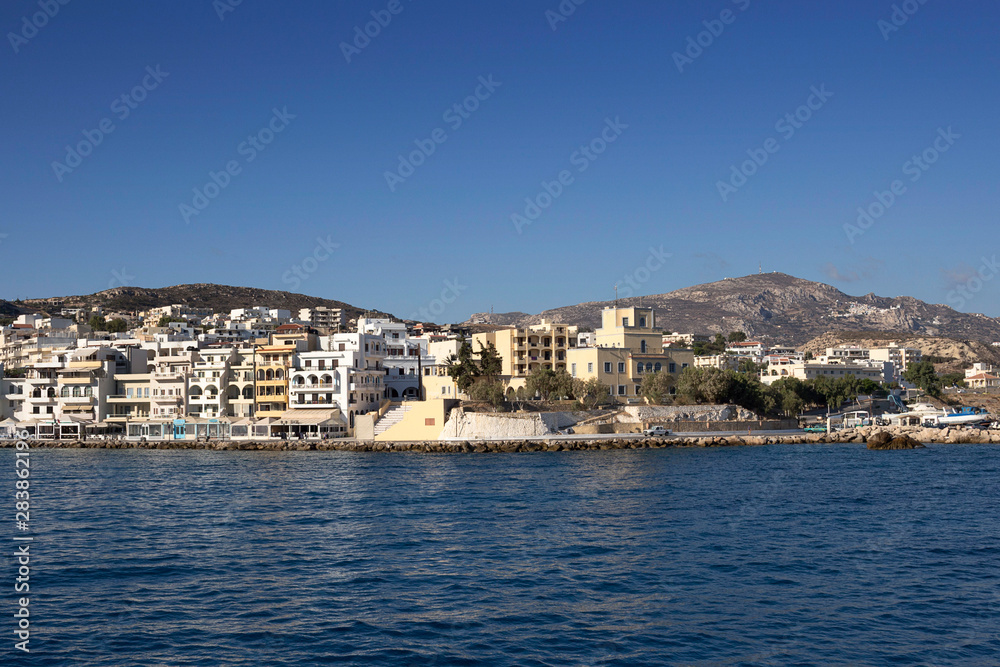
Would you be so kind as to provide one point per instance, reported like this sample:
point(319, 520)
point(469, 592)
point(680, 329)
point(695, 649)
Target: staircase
point(392, 417)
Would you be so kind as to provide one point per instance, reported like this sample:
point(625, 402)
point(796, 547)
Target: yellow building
point(271, 386)
point(628, 348)
point(526, 349)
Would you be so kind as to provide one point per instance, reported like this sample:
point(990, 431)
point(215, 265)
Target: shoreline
point(848, 436)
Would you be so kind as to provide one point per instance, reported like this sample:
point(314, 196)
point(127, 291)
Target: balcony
point(318, 385)
point(123, 398)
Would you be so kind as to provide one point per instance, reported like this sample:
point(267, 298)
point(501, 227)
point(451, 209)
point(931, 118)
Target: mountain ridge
point(220, 298)
point(780, 308)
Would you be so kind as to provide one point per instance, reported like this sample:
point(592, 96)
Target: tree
point(117, 325)
point(463, 368)
point(98, 323)
point(924, 376)
point(748, 367)
point(737, 337)
point(953, 379)
point(658, 387)
point(490, 363)
point(548, 383)
point(591, 392)
point(165, 320)
point(488, 392)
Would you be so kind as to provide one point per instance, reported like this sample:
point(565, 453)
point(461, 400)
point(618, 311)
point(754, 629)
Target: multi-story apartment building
point(524, 350)
point(209, 384)
point(322, 317)
point(274, 363)
point(346, 376)
point(877, 371)
point(240, 392)
point(404, 356)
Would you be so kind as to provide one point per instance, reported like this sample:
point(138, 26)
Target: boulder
point(883, 440)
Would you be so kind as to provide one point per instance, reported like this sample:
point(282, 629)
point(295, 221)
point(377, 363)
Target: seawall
point(531, 444)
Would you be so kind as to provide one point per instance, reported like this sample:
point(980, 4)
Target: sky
point(435, 159)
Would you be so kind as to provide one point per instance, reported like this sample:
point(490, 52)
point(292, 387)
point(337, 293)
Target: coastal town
point(179, 373)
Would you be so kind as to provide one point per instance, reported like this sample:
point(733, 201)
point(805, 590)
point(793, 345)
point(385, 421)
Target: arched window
point(642, 346)
point(658, 366)
point(64, 392)
point(649, 367)
point(76, 392)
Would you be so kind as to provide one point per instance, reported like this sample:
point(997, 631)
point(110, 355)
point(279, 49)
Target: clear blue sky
point(116, 217)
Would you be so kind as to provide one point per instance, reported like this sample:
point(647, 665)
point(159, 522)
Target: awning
point(310, 417)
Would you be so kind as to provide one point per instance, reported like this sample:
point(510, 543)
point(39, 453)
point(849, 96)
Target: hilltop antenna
point(616, 295)
point(760, 268)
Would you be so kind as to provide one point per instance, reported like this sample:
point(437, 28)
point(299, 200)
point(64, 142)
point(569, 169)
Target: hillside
point(782, 308)
point(958, 354)
point(220, 298)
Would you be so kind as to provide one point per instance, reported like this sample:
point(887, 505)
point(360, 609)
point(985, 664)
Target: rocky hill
point(783, 308)
point(220, 298)
point(951, 355)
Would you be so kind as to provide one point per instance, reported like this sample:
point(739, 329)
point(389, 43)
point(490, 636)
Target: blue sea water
point(779, 555)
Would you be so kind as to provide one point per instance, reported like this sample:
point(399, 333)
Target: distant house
point(983, 381)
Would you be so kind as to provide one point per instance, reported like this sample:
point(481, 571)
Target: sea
point(771, 555)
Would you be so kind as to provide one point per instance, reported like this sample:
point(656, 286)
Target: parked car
point(815, 428)
point(656, 430)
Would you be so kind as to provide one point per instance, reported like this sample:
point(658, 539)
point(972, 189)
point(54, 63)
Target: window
point(638, 368)
point(658, 366)
point(572, 370)
point(621, 366)
point(642, 346)
point(673, 367)
point(638, 390)
point(607, 366)
point(590, 367)
point(624, 321)
point(642, 322)
point(621, 390)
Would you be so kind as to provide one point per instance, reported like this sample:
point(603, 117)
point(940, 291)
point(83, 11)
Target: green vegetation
point(953, 380)
point(117, 325)
point(549, 384)
point(658, 388)
point(462, 368)
point(788, 396)
point(591, 393)
point(923, 376)
point(718, 344)
point(16, 372)
point(165, 320)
